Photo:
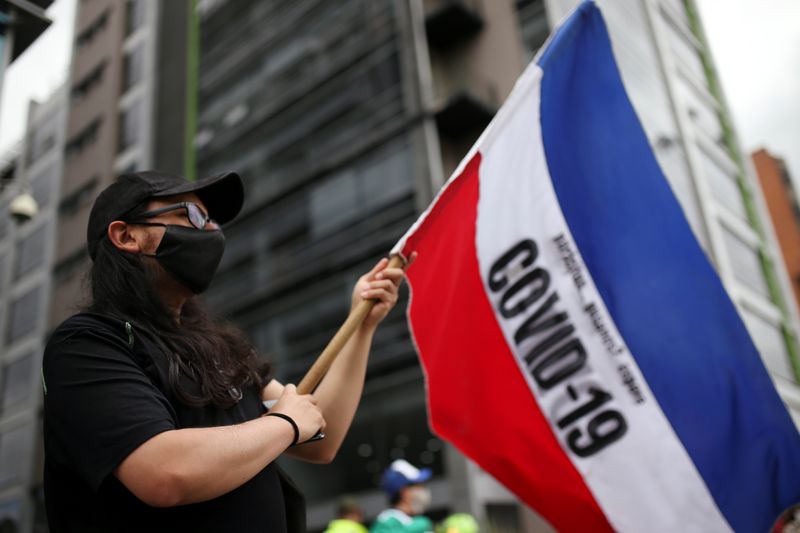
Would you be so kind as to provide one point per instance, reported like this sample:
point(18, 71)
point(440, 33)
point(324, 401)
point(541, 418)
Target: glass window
point(677, 11)
point(672, 159)
point(334, 202)
point(30, 252)
point(84, 86)
point(88, 34)
point(11, 516)
point(305, 330)
point(387, 179)
point(130, 126)
point(745, 262)
point(702, 114)
point(503, 516)
point(533, 25)
point(39, 511)
point(41, 140)
point(686, 53)
point(132, 67)
point(5, 216)
point(134, 15)
point(723, 185)
point(204, 7)
point(638, 60)
point(78, 199)
point(70, 265)
point(379, 180)
point(289, 224)
point(83, 139)
point(17, 382)
point(131, 168)
point(769, 341)
point(23, 314)
point(42, 185)
point(16, 450)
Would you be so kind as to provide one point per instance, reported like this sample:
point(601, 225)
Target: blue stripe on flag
point(662, 292)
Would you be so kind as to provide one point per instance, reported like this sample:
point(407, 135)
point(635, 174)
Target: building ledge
point(463, 112)
point(452, 21)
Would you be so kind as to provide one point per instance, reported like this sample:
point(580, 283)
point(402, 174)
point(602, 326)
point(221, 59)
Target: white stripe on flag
point(644, 479)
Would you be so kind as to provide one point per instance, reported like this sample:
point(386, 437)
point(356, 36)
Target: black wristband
point(292, 422)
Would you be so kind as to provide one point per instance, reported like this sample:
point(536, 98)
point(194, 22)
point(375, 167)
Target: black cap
point(223, 196)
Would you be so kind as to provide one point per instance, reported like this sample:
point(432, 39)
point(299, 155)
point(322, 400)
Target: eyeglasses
point(197, 217)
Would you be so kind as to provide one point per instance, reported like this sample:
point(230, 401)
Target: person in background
point(409, 498)
point(349, 517)
point(458, 523)
point(788, 521)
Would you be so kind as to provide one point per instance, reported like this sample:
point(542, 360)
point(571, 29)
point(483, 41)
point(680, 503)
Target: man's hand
point(381, 284)
point(302, 409)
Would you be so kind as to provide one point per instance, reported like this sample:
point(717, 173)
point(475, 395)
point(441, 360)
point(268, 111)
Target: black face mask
point(191, 255)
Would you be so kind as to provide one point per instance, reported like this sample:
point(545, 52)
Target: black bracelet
point(292, 422)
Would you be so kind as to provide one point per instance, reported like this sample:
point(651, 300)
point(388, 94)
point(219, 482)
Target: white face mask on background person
point(419, 499)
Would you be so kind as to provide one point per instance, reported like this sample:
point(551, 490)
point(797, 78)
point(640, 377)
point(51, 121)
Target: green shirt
point(395, 521)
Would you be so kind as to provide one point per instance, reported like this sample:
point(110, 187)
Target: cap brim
point(424, 475)
point(223, 195)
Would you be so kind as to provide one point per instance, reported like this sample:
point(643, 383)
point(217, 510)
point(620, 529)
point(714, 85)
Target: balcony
point(465, 94)
point(449, 22)
point(463, 112)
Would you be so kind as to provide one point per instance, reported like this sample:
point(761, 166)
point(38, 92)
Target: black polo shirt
point(106, 394)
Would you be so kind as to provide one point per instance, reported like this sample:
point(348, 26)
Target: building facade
point(119, 56)
point(782, 202)
point(26, 263)
point(669, 73)
point(316, 105)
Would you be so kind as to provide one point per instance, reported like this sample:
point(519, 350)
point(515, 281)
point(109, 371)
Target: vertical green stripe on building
point(192, 65)
point(747, 196)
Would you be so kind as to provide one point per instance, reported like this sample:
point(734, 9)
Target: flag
point(576, 342)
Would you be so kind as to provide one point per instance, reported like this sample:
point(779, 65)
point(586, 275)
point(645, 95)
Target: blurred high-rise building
point(127, 92)
point(782, 202)
point(27, 241)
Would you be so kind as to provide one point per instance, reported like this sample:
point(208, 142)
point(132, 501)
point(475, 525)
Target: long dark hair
point(213, 353)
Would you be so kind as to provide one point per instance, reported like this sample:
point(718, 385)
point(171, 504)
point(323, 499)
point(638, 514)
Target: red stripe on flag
point(478, 399)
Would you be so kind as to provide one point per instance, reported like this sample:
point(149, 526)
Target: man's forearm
point(197, 464)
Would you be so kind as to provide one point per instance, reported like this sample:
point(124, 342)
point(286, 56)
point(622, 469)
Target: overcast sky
point(40, 70)
point(755, 43)
point(756, 48)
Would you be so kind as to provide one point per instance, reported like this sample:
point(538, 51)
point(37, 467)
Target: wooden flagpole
point(331, 351)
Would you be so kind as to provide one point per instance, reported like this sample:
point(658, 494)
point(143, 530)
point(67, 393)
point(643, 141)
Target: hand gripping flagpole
point(334, 347)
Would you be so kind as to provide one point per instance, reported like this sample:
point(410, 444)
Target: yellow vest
point(345, 526)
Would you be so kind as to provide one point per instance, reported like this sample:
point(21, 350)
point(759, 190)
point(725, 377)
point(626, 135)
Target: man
point(153, 410)
point(409, 498)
